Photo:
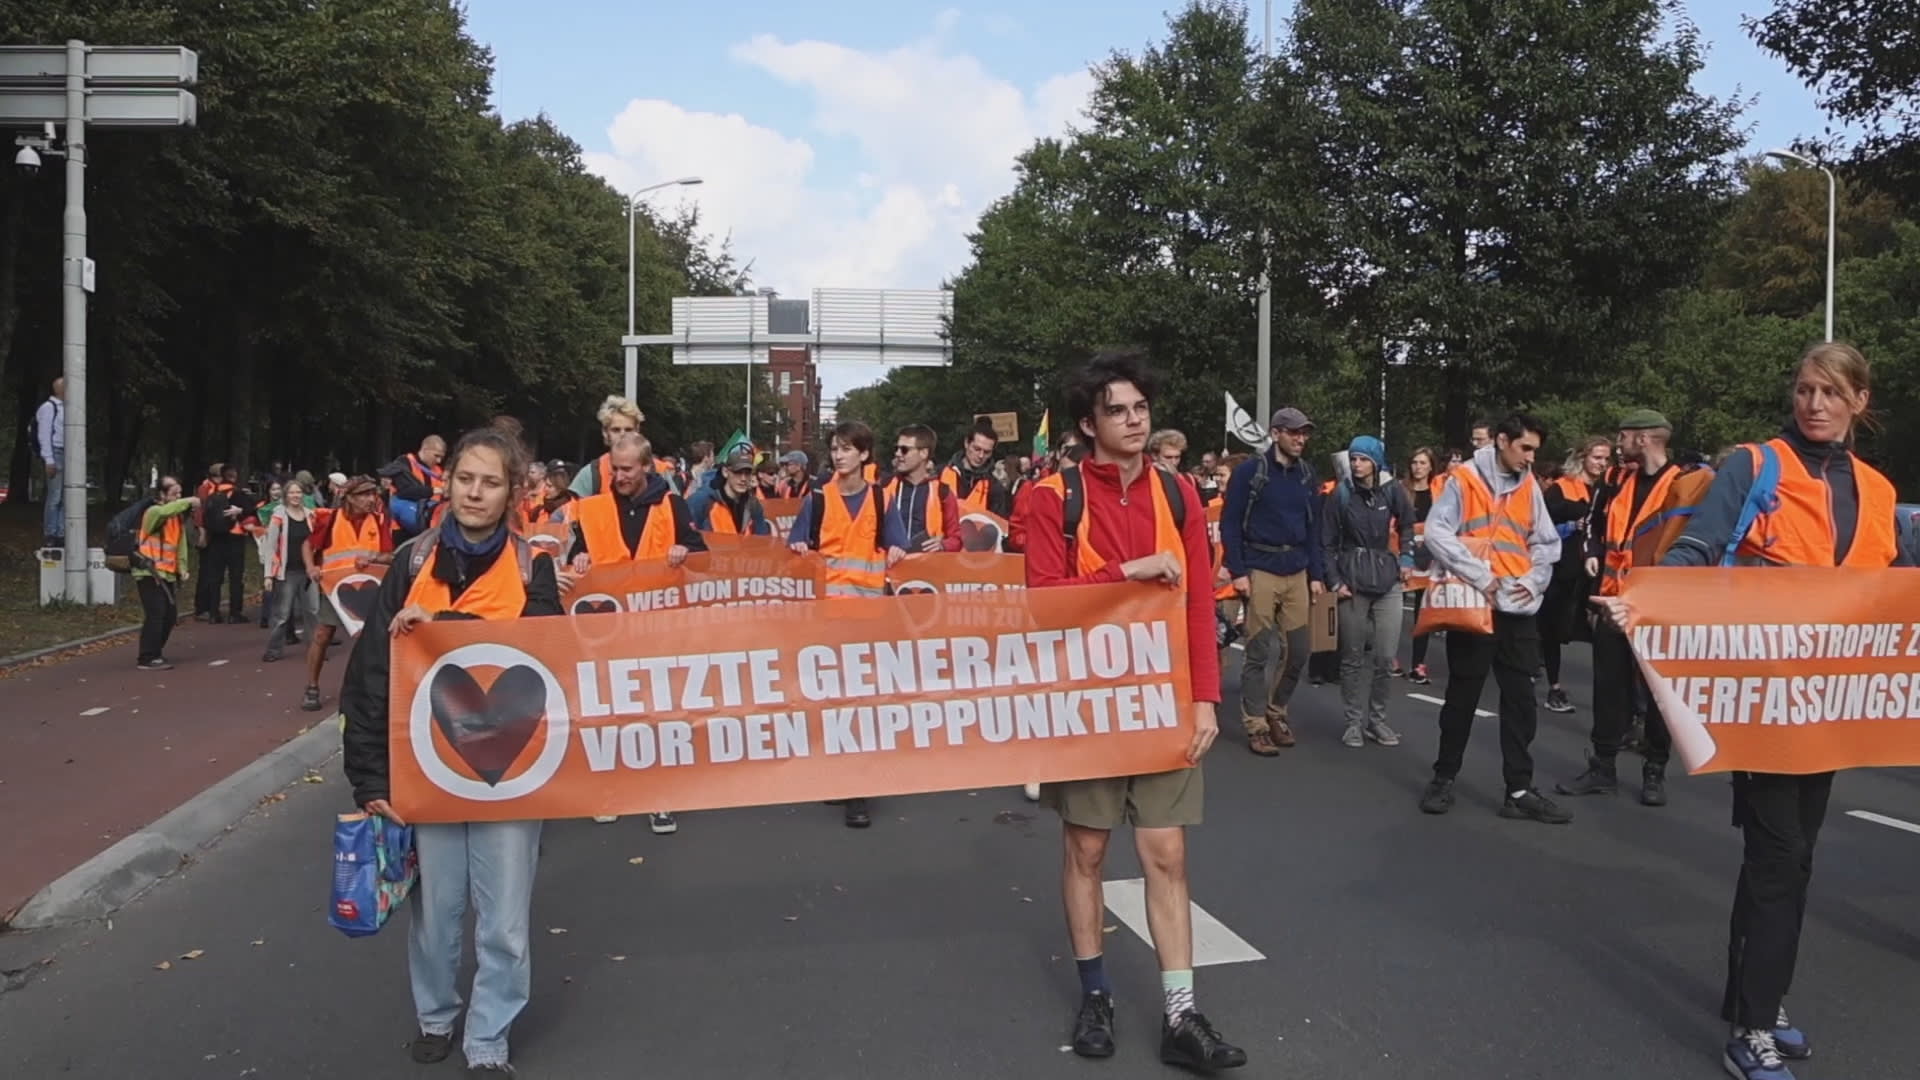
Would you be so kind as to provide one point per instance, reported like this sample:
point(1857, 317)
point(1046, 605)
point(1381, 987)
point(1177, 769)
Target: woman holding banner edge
point(1800, 499)
point(472, 565)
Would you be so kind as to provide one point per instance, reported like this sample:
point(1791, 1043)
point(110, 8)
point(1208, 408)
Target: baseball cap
point(337, 479)
point(1644, 420)
point(739, 458)
point(795, 457)
point(1290, 419)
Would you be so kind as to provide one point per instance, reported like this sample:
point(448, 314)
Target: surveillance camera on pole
point(27, 160)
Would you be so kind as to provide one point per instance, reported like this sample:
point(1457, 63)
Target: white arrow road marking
point(1882, 819)
point(1213, 943)
point(1431, 700)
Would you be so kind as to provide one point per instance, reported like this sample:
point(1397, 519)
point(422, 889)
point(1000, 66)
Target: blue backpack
point(1762, 498)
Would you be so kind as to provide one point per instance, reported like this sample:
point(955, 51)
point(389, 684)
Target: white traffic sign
point(123, 107)
point(107, 65)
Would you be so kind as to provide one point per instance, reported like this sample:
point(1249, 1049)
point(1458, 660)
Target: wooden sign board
point(1006, 425)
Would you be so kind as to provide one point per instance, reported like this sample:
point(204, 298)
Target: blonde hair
point(615, 405)
point(1576, 456)
point(1164, 438)
point(1846, 367)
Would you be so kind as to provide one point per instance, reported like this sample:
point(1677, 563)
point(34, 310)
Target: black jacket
point(364, 692)
point(1365, 521)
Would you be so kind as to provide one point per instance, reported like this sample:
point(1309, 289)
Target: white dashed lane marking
point(1431, 700)
point(1213, 943)
point(1882, 819)
point(95, 711)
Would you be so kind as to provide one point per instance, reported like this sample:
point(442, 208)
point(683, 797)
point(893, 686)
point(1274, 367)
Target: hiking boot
point(1418, 676)
point(1261, 742)
point(431, 1049)
point(1093, 1028)
point(1753, 1055)
point(1789, 1040)
point(1352, 737)
point(1438, 798)
point(662, 824)
point(1601, 778)
point(1281, 730)
point(1194, 1044)
point(1557, 701)
point(310, 701)
point(1533, 806)
point(1653, 790)
point(1379, 732)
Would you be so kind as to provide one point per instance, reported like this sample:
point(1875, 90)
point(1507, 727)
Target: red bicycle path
point(92, 749)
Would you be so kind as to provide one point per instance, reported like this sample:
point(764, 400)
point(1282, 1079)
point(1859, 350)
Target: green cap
point(1644, 420)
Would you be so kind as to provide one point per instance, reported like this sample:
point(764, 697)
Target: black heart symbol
point(978, 535)
point(489, 728)
point(357, 597)
point(595, 607)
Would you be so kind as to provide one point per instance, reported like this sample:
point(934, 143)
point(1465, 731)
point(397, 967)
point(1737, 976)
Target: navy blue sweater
point(1285, 516)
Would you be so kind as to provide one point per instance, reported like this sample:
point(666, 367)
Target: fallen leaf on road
point(636, 860)
point(1026, 899)
point(313, 778)
point(556, 930)
point(194, 954)
point(1108, 929)
point(791, 918)
point(616, 959)
point(257, 942)
point(164, 965)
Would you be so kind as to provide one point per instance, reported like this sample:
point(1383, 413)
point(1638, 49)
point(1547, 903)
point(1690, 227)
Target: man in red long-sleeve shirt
point(1138, 523)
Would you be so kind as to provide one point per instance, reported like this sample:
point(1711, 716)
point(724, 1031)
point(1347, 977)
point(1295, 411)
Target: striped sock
point(1179, 990)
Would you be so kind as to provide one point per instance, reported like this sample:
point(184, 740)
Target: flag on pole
point(1043, 436)
point(1244, 427)
point(739, 438)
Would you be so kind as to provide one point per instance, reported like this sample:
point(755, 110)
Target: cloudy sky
point(853, 143)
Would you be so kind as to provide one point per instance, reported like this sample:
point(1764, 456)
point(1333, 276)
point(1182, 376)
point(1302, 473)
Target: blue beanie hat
point(1369, 447)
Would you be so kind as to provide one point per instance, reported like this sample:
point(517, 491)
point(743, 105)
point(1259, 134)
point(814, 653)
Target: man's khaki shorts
point(1154, 801)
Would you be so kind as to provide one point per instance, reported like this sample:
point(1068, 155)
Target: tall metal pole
point(73, 326)
point(1833, 198)
point(1263, 346)
point(748, 429)
point(631, 352)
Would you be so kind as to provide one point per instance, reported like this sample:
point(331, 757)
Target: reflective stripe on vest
point(500, 593)
point(346, 543)
point(936, 513)
point(1797, 530)
point(850, 546)
point(1506, 522)
point(161, 550)
point(598, 519)
point(1621, 533)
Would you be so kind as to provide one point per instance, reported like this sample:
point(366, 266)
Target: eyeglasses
point(905, 449)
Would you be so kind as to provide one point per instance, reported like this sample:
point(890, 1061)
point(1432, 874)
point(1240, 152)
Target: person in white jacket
point(1493, 497)
point(290, 567)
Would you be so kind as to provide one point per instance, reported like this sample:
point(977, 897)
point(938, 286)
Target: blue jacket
point(1284, 517)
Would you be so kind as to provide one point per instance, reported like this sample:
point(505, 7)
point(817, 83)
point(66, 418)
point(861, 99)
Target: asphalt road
point(776, 943)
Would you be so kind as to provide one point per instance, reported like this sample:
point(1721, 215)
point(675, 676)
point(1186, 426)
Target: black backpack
point(123, 538)
point(1073, 505)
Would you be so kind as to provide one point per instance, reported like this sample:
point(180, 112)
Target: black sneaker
point(857, 815)
point(270, 656)
point(155, 664)
point(1093, 1028)
point(1438, 798)
point(1557, 701)
point(662, 823)
point(1601, 778)
point(432, 1049)
point(495, 1071)
point(310, 701)
point(1194, 1044)
point(1536, 807)
point(1653, 786)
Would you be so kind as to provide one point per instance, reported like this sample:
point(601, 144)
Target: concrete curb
point(27, 657)
point(117, 876)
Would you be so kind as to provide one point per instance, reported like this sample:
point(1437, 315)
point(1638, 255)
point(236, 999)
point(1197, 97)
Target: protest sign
point(781, 513)
point(740, 571)
point(1781, 670)
point(698, 708)
point(351, 591)
point(957, 571)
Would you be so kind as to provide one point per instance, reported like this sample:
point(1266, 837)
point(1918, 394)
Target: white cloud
point(924, 136)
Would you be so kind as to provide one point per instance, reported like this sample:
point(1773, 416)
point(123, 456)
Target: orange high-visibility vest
point(850, 546)
point(1798, 531)
point(347, 542)
point(1644, 540)
point(597, 517)
point(974, 501)
point(936, 505)
point(1574, 488)
point(500, 593)
point(1507, 522)
point(1166, 531)
point(161, 549)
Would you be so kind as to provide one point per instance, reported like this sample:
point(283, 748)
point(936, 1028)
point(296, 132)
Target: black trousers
point(227, 563)
point(160, 611)
point(1419, 640)
point(206, 587)
point(1617, 683)
point(1511, 654)
point(1781, 818)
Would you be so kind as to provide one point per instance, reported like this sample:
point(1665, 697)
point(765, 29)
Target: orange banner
point(352, 592)
point(957, 571)
point(704, 708)
point(780, 513)
point(740, 571)
point(1746, 686)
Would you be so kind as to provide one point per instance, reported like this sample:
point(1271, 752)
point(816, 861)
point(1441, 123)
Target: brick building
point(794, 376)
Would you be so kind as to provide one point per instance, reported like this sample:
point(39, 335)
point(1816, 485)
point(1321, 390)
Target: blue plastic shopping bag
point(374, 868)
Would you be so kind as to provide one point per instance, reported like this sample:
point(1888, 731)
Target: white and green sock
point(1178, 986)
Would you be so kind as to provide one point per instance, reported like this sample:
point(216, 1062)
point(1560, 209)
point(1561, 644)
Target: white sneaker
point(1033, 792)
point(606, 819)
point(662, 823)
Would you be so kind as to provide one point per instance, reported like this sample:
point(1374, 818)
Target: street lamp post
point(632, 384)
point(1263, 341)
point(1833, 202)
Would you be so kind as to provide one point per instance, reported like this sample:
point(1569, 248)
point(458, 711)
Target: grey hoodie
point(1520, 596)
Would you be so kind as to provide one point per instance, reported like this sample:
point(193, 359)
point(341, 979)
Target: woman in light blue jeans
point(490, 864)
point(1366, 571)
